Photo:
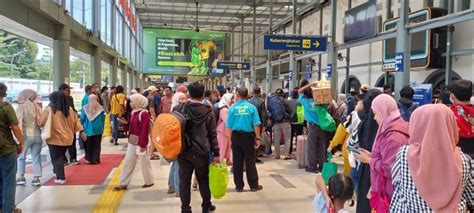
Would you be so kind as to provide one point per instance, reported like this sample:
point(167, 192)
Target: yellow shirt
point(117, 104)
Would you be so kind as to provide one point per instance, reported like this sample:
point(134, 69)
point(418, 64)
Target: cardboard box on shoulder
point(322, 93)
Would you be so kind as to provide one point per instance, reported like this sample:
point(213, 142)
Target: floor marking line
point(109, 200)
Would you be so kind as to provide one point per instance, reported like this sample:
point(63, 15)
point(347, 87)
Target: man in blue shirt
point(317, 138)
point(243, 129)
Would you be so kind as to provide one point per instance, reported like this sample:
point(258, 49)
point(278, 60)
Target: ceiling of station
point(220, 15)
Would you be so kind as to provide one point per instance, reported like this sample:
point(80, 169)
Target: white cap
point(134, 91)
point(152, 88)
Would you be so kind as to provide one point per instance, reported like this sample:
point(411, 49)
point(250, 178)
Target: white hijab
point(93, 108)
point(226, 100)
point(176, 97)
point(139, 102)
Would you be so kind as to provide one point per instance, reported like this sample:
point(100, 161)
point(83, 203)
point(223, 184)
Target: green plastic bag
point(329, 168)
point(300, 114)
point(326, 122)
point(218, 179)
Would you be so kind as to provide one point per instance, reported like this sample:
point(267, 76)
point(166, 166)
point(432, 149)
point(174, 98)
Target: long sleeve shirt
point(140, 126)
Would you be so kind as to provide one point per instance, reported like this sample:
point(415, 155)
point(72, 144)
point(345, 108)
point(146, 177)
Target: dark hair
point(294, 94)
point(340, 187)
point(461, 89)
point(88, 88)
point(119, 89)
point(207, 93)
point(168, 87)
point(104, 88)
point(307, 92)
point(3, 90)
point(112, 87)
point(58, 102)
point(387, 86)
point(138, 89)
point(407, 92)
point(243, 92)
point(257, 90)
point(196, 90)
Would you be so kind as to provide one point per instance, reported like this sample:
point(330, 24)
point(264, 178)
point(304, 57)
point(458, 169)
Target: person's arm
point(83, 117)
point(383, 159)
point(78, 126)
point(256, 126)
point(321, 186)
point(339, 137)
point(19, 115)
point(229, 124)
point(13, 120)
point(44, 117)
point(212, 136)
point(302, 89)
point(144, 129)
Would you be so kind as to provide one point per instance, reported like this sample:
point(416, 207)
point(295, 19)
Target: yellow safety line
point(110, 200)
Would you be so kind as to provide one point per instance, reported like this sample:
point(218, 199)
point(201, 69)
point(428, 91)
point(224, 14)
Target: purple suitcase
point(301, 157)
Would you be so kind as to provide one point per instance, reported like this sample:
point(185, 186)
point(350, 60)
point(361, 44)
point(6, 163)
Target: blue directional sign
point(290, 75)
point(228, 65)
point(267, 77)
point(399, 62)
point(308, 71)
point(423, 94)
point(329, 71)
point(295, 42)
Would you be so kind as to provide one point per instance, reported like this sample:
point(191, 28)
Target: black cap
point(64, 87)
point(280, 91)
point(257, 90)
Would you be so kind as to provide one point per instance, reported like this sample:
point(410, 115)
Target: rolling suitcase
point(301, 147)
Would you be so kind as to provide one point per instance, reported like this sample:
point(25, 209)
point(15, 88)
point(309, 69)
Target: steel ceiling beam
point(152, 11)
point(224, 2)
point(181, 21)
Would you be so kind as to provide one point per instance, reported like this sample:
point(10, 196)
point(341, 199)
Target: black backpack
point(260, 105)
point(217, 112)
point(3, 135)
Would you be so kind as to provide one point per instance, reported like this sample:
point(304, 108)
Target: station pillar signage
point(228, 65)
point(295, 43)
point(399, 62)
point(329, 71)
point(308, 71)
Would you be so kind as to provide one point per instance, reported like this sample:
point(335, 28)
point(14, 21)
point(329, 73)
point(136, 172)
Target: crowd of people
point(398, 156)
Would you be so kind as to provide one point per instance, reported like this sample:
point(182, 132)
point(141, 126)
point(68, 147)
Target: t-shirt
point(7, 119)
point(243, 116)
point(309, 109)
point(117, 100)
point(166, 104)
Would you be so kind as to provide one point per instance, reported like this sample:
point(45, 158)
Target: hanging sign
point(399, 62)
point(423, 94)
point(295, 42)
point(329, 71)
point(227, 65)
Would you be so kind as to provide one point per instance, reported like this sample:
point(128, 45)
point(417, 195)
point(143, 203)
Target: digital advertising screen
point(181, 52)
point(360, 22)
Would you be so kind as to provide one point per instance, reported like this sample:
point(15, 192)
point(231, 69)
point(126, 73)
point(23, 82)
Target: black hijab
point(368, 126)
point(58, 102)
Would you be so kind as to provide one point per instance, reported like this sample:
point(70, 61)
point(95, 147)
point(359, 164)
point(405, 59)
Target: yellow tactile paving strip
point(110, 200)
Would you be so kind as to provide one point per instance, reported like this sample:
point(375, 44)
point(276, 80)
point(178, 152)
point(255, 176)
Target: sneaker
point(60, 182)
point(195, 187)
point(36, 182)
point(177, 194)
point(210, 209)
point(171, 191)
point(259, 187)
point(74, 162)
point(148, 185)
point(21, 181)
point(120, 188)
point(239, 190)
point(312, 170)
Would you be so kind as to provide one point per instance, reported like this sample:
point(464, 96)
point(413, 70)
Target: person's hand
point(83, 136)
point(364, 156)
point(20, 148)
point(314, 84)
point(257, 143)
point(142, 149)
point(217, 160)
point(329, 149)
point(328, 202)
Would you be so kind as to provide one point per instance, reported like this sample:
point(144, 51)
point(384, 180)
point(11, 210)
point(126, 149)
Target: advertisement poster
point(182, 52)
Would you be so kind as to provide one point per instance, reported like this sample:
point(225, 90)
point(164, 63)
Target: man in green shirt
point(9, 150)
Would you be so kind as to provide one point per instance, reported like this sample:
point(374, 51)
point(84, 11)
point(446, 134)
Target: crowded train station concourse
point(259, 106)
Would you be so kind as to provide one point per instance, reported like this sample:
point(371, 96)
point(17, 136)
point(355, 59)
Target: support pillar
point(232, 46)
point(253, 73)
point(449, 40)
point(241, 73)
point(124, 77)
point(348, 63)
point(136, 78)
point(96, 65)
point(402, 77)
point(269, 74)
point(293, 77)
point(130, 78)
point(61, 54)
point(113, 72)
point(332, 53)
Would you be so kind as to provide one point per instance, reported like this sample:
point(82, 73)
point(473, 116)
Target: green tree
point(22, 51)
point(80, 70)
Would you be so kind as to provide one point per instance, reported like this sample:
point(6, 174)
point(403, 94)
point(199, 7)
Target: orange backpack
point(167, 134)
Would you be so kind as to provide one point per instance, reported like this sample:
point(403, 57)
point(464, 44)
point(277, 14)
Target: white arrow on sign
point(397, 68)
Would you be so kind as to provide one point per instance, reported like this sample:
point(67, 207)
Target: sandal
point(148, 185)
point(156, 157)
point(120, 188)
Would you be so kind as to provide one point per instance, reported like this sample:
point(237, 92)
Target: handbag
point(46, 133)
point(329, 168)
point(325, 120)
point(379, 201)
point(132, 138)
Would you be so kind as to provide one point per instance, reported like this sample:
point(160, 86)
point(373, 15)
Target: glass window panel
point(109, 22)
point(67, 6)
point(77, 10)
point(103, 19)
point(88, 13)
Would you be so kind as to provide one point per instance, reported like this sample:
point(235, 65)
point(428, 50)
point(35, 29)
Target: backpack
point(168, 133)
point(405, 112)
point(217, 112)
point(3, 135)
point(276, 108)
point(260, 105)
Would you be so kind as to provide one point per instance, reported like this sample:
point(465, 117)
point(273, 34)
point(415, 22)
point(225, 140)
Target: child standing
point(331, 199)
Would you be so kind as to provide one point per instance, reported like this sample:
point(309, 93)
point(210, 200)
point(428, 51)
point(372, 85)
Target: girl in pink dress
point(224, 142)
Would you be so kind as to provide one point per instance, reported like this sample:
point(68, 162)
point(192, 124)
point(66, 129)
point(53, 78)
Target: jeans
point(7, 181)
point(57, 159)
point(115, 126)
point(187, 164)
point(173, 179)
point(33, 144)
point(243, 151)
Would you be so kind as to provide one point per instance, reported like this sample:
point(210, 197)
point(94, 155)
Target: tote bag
point(46, 134)
point(326, 122)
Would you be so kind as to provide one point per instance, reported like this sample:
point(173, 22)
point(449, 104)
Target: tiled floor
point(286, 189)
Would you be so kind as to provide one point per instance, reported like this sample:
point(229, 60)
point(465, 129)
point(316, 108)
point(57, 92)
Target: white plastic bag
point(46, 133)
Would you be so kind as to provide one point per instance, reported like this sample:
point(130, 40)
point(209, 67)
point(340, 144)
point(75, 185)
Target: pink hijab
point(433, 159)
point(387, 107)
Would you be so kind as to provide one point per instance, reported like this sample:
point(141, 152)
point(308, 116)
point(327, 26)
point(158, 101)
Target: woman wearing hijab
point(139, 127)
point(64, 125)
point(341, 108)
point(173, 177)
point(431, 174)
point(92, 119)
point(366, 132)
point(28, 114)
point(391, 135)
point(225, 149)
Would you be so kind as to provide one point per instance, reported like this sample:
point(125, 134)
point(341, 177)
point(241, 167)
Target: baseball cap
point(279, 91)
point(365, 87)
point(152, 88)
point(64, 87)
